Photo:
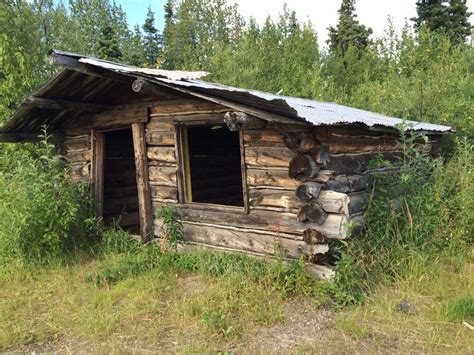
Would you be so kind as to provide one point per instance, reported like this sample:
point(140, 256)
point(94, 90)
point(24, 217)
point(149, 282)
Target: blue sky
point(136, 11)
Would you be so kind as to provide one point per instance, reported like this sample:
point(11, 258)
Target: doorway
point(120, 192)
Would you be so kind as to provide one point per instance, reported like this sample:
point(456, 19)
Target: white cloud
point(323, 13)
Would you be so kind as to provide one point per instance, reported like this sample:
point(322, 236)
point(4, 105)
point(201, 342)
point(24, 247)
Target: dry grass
point(56, 310)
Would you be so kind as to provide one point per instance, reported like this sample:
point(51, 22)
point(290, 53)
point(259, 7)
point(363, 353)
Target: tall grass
point(43, 214)
point(424, 215)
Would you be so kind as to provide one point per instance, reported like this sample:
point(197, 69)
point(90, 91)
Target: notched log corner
point(312, 212)
point(303, 167)
point(308, 191)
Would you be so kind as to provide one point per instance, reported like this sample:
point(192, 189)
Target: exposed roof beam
point(54, 104)
point(76, 65)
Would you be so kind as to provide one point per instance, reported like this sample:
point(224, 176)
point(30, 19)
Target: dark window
point(213, 169)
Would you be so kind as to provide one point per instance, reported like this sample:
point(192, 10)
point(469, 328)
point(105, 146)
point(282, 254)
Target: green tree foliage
point(151, 39)
point(447, 16)
point(107, 46)
point(349, 32)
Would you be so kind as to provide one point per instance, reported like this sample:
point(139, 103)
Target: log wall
point(304, 185)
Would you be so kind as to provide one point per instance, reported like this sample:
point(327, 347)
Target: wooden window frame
point(145, 206)
point(183, 170)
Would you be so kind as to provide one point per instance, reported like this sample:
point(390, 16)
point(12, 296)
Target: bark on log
point(275, 157)
point(303, 167)
point(308, 191)
point(238, 121)
point(163, 175)
point(322, 156)
point(162, 154)
point(312, 212)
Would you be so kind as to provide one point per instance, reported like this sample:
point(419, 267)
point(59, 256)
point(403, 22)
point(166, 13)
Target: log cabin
point(247, 171)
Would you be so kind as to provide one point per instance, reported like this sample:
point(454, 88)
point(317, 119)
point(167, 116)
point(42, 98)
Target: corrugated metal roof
point(284, 108)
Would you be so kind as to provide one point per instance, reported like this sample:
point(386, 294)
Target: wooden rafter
point(54, 104)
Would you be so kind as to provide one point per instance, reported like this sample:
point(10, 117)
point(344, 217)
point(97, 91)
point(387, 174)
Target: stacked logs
point(310, 157)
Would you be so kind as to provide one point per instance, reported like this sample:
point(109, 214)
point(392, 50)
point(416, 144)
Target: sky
point(321, 13)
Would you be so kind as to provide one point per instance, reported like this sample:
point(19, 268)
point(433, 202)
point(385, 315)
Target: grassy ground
point(60, 309)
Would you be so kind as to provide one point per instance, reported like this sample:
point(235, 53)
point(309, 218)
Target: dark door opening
point(214, 173)
point(120, 184)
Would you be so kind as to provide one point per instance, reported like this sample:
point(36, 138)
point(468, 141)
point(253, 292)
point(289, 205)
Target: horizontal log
point(312, 212)
point(164, 193)
point(113, 118)
point(247, 240)
point(163, 175)
point(286, 200)
point(160, 138)
point(337, 143)
point(280, 178)
point(160, 123)
point(79, 156)
point(162, 154)
point(284, 222)
point(77, 142)
point(183, 106)
point(356, 163)
point(279, 157)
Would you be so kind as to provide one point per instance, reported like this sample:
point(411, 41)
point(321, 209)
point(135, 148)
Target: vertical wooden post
point(243, 171)
point(145, 207)
point(97, 173)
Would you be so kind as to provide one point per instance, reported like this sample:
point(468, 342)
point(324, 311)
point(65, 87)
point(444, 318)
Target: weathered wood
point(320, 271)
point(343, 141)
point(268, 157)
point(164, 193)
point(97, 176)
point(18, 137)
point(357, 202)
point(303, 167)
point(198, 119)
point(143, 182)
point(77, 156)
point(351, 183)
point(162, 154)
point(280, 178)
point(159, 138)
point(184, 106)
point(284, 222)
point(80, 171)
point(160, 124)
point(76, 142)
point(291, 140)
point(286, 200)
point(57, 104)
point(312, 212)
point(244, 239)
point(308, 143)
point(312, 236)
point(321, 155)
point(163, 175)
point(243, 172)
point(308, 191)
point(238, 121)
point(356, 163)
point(112, 118)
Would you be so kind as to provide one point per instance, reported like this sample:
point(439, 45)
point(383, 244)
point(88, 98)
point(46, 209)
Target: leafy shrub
point(43, 214)
point(425, 213)
point(172, 233)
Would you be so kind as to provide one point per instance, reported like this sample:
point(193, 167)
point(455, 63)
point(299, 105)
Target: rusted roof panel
point(98, 81)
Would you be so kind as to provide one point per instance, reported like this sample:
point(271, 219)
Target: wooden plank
point(160, 123)
point(98, 144)
point(56, 104)
point(163, 175)
point(162, 154)
point(143, 182)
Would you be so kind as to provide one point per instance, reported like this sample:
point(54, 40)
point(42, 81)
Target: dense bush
point(43, 214)
point(425, 214)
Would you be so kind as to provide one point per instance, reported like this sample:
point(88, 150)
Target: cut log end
point(312, 212)
point(312, 236)
point(303, 167)
point(308, 191)
point(308, 143)
point(238, 121)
